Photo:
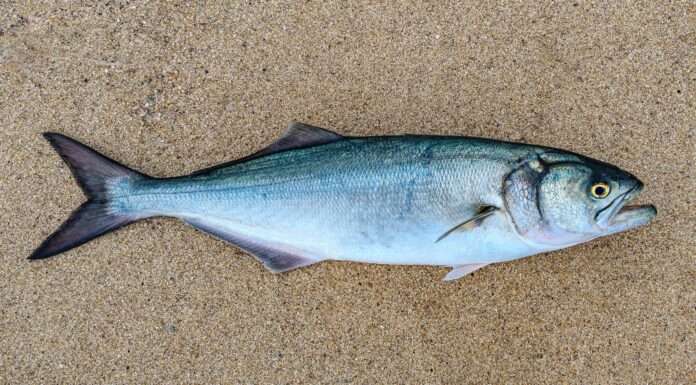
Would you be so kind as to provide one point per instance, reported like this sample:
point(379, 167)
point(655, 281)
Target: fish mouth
point(617, 217)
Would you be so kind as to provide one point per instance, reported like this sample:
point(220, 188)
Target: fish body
point(378, 200)
point(315, 195)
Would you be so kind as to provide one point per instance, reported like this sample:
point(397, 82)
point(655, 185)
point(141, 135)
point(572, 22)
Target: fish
point(315, 195)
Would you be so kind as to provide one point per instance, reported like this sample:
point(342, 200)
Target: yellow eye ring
point(600, 190)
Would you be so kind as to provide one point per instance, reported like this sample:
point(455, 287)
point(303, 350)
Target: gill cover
point(521, 196)
point(540, 197)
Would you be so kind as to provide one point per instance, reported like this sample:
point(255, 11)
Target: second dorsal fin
point(300, 135)
point(297, 136)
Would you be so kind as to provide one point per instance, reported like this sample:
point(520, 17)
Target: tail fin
point(96, 174)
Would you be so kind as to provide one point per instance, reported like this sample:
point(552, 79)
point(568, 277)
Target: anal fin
point(459, 271)
point(275, 258)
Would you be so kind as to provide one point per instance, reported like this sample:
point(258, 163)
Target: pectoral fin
point(470, 223)
point(462, 270)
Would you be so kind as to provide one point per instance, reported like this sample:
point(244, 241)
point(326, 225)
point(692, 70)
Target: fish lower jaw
point(634, 207)
point(630, 217)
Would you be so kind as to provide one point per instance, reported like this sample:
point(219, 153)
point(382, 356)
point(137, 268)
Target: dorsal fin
point(300, 135)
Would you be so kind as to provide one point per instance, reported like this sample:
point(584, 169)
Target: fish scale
point(345, 200)
point(315, 195)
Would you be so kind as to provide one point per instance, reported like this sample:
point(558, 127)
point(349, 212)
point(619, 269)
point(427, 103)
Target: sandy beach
point(168, 89)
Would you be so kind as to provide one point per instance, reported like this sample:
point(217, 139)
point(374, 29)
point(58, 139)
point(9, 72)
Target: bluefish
point(315, 195)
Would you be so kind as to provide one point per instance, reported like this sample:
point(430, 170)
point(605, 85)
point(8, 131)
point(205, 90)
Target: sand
point(170, 89)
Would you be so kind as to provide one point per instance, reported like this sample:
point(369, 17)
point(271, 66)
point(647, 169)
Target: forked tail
point(98, 176)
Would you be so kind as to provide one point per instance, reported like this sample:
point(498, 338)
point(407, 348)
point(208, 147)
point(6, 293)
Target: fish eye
point(600, 190)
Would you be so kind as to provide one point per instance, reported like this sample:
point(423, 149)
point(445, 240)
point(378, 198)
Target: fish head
point(559, 200)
